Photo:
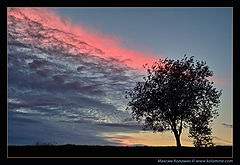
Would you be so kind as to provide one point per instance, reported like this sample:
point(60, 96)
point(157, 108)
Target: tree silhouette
point(176, 94)
point(200, 131)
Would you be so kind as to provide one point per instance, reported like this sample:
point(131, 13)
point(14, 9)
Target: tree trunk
point(178, 141)
point(177, 138)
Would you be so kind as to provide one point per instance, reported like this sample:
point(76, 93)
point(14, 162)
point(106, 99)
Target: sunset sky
point(69, 68)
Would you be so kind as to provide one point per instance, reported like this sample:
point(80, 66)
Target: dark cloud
point(44, 72)
point(60, 78)
point(25, 132)
point(40, 100)
point(80, 68)
point(73, 85)
point(227, 125)
point(134, 127)
point(220, 139)
point(37, 64)
point(24, 121)
point(56, 94)
point(31, 101)
point(80, 121)
point(127, 119)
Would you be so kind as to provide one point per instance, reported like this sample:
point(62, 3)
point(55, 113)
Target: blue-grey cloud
point(38, 63)
point(220, 139)
point(227, 125)
point(57, 95)
point(134, 127)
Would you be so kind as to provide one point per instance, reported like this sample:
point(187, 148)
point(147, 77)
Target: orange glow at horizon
point(144, 138)
point(148, 138)
point(123, 141)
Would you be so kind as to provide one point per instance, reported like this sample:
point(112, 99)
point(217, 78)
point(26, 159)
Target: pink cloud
point(123, 141)
point(110, 45)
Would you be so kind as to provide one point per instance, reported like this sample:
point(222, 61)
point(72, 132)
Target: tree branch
point(180, 128)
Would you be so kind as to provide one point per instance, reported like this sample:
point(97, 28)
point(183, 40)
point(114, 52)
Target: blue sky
point(56, 96)
point(205, 33)
point(202, 32)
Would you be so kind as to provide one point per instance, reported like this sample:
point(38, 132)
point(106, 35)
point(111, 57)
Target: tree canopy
point(176, 94)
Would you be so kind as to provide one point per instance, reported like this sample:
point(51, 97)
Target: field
point(116, 151)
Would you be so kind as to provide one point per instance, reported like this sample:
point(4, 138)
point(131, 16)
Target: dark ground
point(116, 151)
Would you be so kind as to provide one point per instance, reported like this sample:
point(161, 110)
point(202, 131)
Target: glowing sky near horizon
point(68, 69)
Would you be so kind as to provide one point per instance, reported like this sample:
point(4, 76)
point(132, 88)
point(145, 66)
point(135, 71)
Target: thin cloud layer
point(46, 29)
point(59, 81)
point(227, 125)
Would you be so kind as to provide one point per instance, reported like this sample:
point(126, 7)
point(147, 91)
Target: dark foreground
point(116, 151)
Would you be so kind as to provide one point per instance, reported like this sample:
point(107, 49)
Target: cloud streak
point(227, 125)
point(49, 27)
point(58, 80)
